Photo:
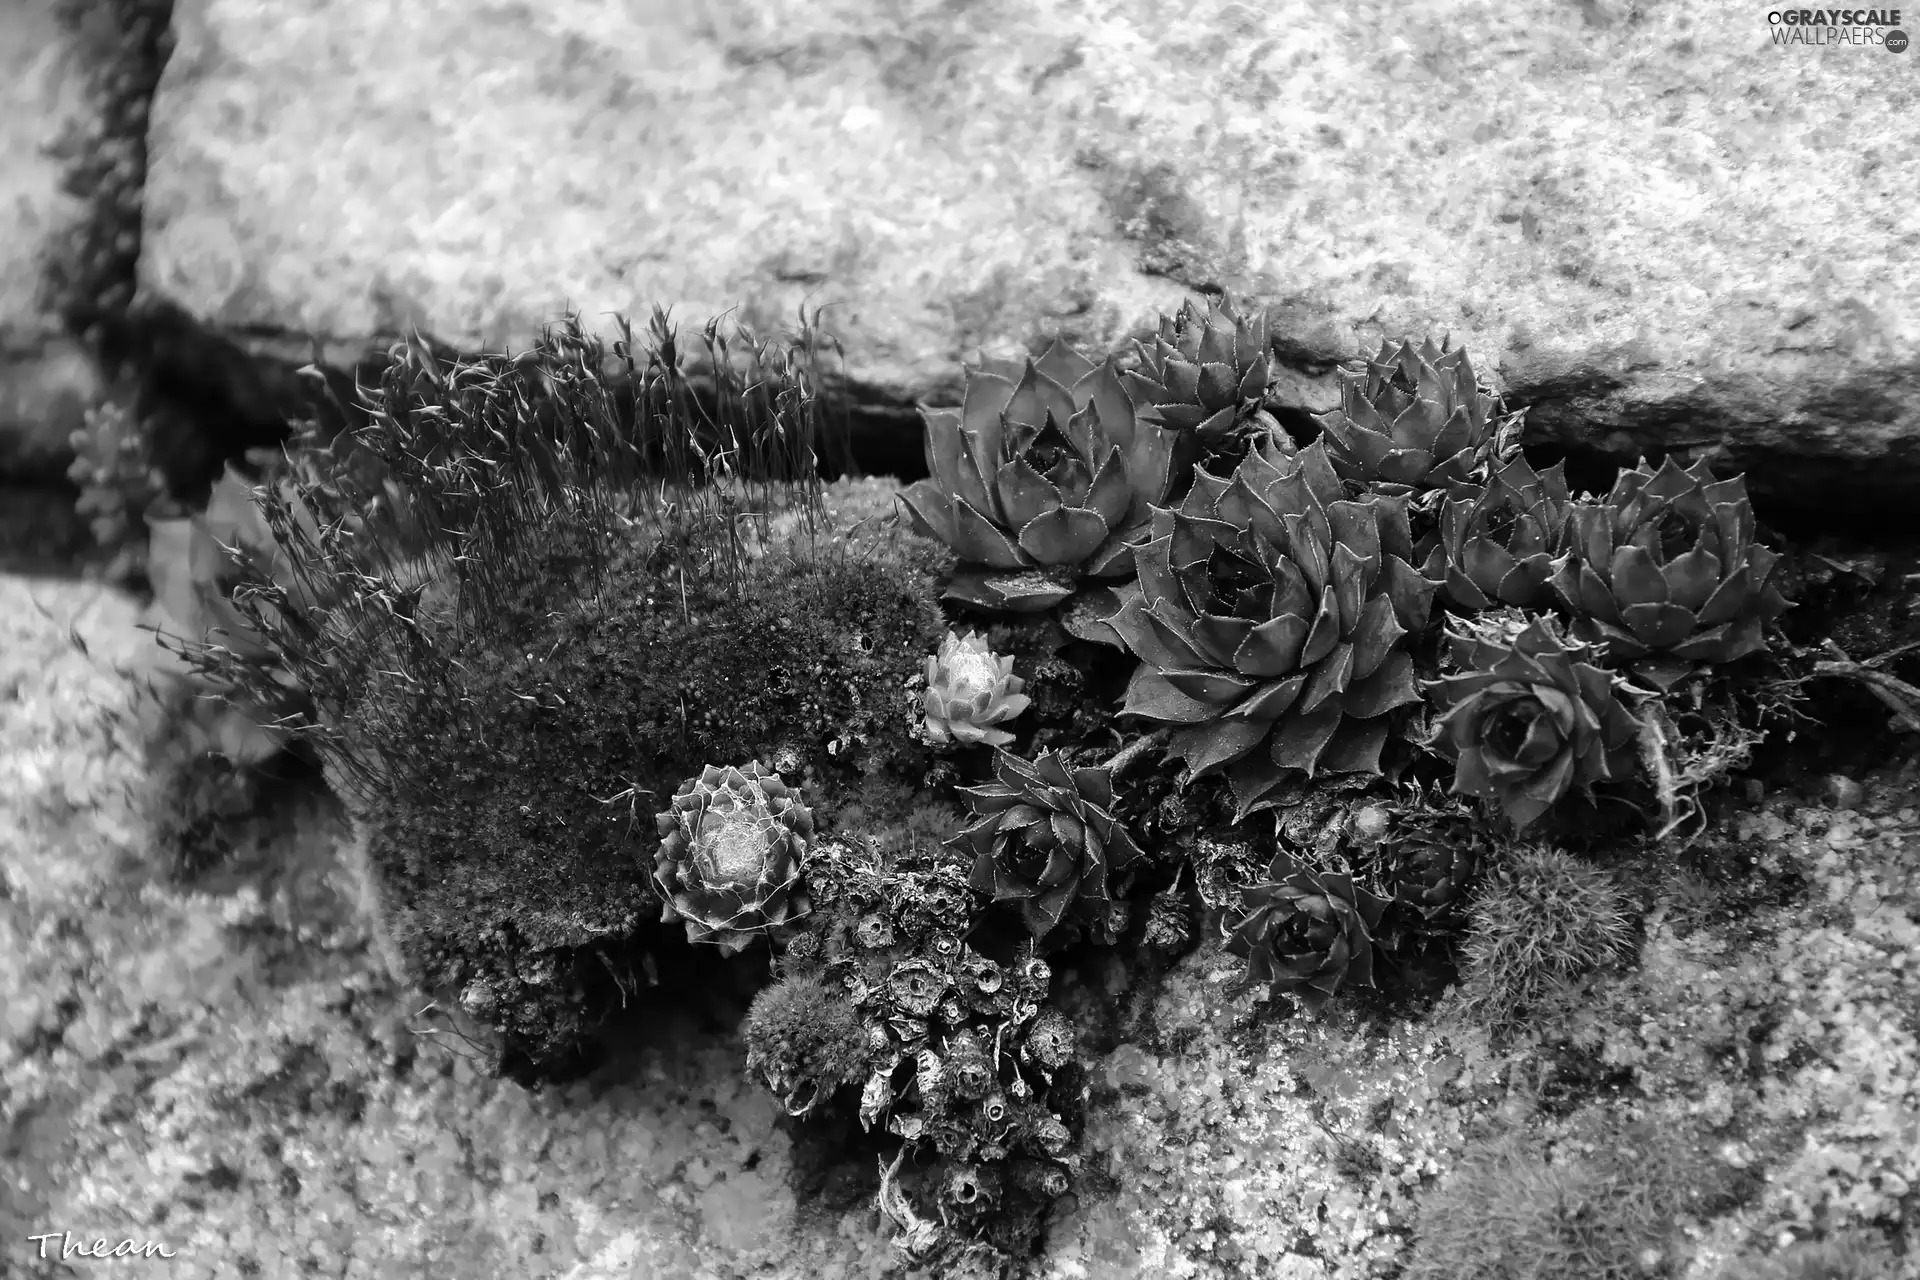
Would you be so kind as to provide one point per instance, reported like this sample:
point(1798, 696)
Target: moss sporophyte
point(613, 680)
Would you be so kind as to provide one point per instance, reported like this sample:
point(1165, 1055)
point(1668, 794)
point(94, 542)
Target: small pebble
point(1844, 792)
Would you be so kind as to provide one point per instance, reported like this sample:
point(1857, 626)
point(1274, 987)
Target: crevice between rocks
point(209, 396)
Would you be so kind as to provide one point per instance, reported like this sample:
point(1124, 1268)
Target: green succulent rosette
point(1306, 932)
point(1416, 421)
point(1530, 719)
point(1430, 869)
point(1044, 839)
point(1205, 374)
point(1496, 543)
point(1039, 481)
point(1664, 572)
point(730, 852)
point(1270, 618)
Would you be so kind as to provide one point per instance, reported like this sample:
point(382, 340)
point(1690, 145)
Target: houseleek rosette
point(1530, 719)
point(729, 857)
point(1664, 571)
point(1205, 374)
point(971, 689)
point(1430, 869)
point(1306, 932)
point(1496, 543)
point(1415, 420)
point(1039, 480)
point(1044, 839)
point(1269, 618)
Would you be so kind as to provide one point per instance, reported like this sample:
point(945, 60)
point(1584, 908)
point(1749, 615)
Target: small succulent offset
point(1664, 572)
point(1416, 420)
point(1046, 839)
point(1497, 542)
point(1529, 719)
point(1431, 867)
point(1039, 480)
point(729, 859)
point(970, 689)
point(1306, 932)
point(1206, 374)
point(1269, 617)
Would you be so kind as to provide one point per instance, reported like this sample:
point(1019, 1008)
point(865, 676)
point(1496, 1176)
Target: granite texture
point(227, 1069)
point(46, 378)
point(1648, 221)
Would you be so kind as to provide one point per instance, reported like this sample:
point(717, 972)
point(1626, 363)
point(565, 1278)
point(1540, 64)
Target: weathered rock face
point(1652, 223)
point(46, 378)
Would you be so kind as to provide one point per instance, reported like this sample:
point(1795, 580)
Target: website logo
point(1857, 28)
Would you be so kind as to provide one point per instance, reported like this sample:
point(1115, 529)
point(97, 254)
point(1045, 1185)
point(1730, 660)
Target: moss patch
point(523, 862)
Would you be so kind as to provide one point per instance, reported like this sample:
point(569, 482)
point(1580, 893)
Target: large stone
point(46, 379)
point(1648, 221)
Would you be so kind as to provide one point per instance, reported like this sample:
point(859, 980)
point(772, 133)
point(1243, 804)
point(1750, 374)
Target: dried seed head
point(1035, 975)
point(873, 931)
point(539, 970)
point(1050, 1132)
point(875, 1096)
point(951, 1138)
point(968, 1071)
point(971, 1187)
point(788, 758)
point(1169, 921)
point(1172, 813)
point(1050, 1040)
point(1040, 1179)
point(479, 999)
point(915, 987)
point(929, 1071)
point(983, 975)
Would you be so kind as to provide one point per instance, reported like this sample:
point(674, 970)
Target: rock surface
point(226, 1069)
point(46, 378)
point(1650, 222)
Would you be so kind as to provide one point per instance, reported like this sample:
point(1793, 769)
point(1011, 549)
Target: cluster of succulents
point(1403, 598)
point(1276, 597)
point(1305, 674)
